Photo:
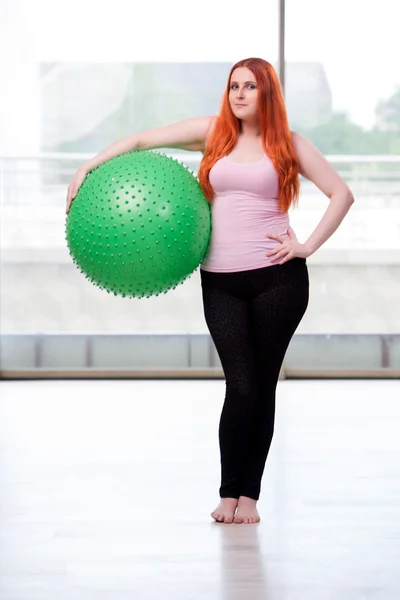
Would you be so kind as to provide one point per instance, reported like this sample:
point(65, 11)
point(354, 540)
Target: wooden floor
point(107, 488)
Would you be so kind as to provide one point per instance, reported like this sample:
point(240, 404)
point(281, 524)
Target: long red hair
point(275, 133)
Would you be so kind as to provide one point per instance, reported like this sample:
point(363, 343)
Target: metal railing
point(188, 356)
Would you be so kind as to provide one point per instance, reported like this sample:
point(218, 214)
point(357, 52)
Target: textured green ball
point(139, 224)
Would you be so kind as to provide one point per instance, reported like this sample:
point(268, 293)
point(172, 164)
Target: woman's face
point(243, 91)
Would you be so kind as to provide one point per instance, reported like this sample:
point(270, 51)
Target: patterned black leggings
point(252, 316)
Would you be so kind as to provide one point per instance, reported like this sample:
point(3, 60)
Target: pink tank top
point(243, 210)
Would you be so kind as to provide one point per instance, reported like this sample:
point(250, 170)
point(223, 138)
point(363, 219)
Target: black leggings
point(252, 316)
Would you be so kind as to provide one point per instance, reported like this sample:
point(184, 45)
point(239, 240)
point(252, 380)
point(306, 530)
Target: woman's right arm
point(189, 134)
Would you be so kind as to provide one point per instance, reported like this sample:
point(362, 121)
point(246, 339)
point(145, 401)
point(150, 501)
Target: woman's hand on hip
point(289, 248)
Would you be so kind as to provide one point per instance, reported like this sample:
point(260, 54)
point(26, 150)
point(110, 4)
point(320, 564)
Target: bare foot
point(225, 510)
point(246, 511)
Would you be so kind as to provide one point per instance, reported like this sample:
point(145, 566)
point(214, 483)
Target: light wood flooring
point(107, 488)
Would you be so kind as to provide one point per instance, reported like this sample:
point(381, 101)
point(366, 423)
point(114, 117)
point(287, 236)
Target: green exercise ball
point(139, 224)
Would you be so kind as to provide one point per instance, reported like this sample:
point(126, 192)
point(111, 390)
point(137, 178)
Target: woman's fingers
point(69, 197)
point(274, 237)
point(75, 185)
point(277, 250)
point(278, 256)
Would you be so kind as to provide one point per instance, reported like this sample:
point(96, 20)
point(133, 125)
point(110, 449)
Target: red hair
point(275, 133)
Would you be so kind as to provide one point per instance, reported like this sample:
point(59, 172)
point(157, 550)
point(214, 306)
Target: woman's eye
point(248, 85)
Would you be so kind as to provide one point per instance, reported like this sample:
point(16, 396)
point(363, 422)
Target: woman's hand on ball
point(76, 184)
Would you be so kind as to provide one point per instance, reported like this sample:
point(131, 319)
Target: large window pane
point(86, 75)
point(343, 93)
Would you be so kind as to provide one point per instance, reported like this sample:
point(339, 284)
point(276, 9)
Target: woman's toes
point(228, 507)
point(222, 518)
point(228, 519)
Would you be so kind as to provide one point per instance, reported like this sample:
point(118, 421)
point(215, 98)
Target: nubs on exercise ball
point(139, 224)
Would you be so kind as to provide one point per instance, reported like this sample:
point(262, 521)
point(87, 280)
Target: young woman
point(254, 276)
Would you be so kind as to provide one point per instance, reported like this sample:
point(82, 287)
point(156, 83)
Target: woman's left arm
point(314, 166)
